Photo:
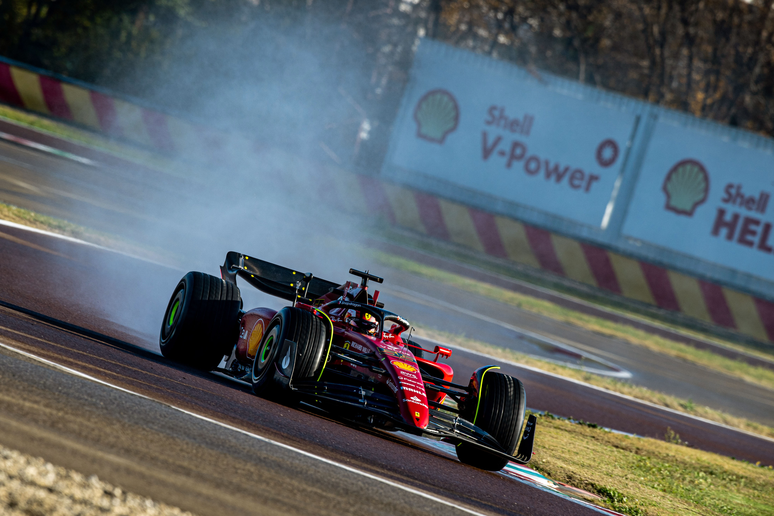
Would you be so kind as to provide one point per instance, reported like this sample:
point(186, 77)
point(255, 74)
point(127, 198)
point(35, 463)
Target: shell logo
point(436, 115)
point(404, 366)
point(686, 187)
point(255, 338)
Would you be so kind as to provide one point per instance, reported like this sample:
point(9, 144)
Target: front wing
point(443, 423)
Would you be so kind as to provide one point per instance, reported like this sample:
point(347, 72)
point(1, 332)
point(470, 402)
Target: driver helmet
point(366, 324)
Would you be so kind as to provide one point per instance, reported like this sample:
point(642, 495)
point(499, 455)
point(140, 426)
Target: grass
point(736, 368)
point(641, 476)
point(612, 384)
point(35, 220)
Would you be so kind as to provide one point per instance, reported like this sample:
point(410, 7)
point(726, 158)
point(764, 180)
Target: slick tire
point(311, 337)
point(201, 323)
point(499, 412)
point(416, 351)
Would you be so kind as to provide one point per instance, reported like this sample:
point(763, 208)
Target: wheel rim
point(265, 355)
point(171, 318)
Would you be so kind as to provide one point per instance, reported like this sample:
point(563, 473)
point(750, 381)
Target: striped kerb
point(8, 92)
point(660, 286)
point(54, 97)
point(599, 262)
point(404, 206)
point(716, 304)
point(430, 213)
point(79, 101)
point(630, 278)
point(28, 86)
point(766, 313)
point(745, 314)
point(573, 260)
point(486, 228)
point(105, 109)
point(540, 241)
point(459, 224)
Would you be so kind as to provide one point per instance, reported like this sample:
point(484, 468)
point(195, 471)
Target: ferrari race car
point(336, 347)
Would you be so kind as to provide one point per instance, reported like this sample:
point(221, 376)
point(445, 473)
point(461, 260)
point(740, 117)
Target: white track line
point(246, 433)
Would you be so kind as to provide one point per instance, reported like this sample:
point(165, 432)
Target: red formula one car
point(336, 347)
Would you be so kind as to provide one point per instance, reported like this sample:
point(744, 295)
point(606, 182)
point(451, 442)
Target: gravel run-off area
point(30, 486)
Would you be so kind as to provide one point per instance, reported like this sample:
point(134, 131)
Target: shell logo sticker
point(437, 114)
point(255, 338)
point(404, 366)
point(686, 186)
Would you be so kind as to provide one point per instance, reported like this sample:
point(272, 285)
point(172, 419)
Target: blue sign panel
point(498, 131)
point(707, 197)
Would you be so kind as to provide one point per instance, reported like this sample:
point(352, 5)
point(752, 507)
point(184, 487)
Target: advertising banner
point(497, 130)
point(706, 197)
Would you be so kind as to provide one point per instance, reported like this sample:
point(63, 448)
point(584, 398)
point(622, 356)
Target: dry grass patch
point(641, 476)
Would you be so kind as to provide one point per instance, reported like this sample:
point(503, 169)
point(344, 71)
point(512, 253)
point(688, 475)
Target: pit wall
point(415, 209)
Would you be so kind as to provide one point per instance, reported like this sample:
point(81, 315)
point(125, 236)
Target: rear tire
point(201, 322)
point(501, 407)
point(311, 338)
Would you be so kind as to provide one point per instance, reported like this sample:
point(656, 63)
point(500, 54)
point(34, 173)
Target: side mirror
point(441, 351)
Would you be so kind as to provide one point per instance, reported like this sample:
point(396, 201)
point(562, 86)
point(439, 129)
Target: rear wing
point(274, 279)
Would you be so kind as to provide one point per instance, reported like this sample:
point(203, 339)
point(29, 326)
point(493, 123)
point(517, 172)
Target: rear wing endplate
point(274, 279)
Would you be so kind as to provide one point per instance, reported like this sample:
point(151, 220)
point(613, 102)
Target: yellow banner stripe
point(28, 85)
point(459, 224)
point(573, 260)
point(689, 296)
point(79, 101)
point(745, 314)
point(630, 278)
point(404, 206)
point(514, 239)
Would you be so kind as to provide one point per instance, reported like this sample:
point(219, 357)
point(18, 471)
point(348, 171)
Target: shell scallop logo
point(686, 187)
point(436, 115)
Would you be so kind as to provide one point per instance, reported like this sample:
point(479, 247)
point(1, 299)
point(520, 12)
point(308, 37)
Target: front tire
point(201, 322)
point(311, 338)
point(499, 411)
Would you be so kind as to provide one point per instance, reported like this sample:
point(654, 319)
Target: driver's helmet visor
point(363, 321)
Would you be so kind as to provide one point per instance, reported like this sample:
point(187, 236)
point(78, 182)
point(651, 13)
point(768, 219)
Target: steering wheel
point(400, 321)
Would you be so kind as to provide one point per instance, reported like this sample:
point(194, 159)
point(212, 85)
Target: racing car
point(336, 347)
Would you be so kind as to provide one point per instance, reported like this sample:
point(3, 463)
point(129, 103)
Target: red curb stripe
point(716, 304)
point(543, 249)
point(156, 126)
point(106, 113)
point(660, 286)
point(53, 94)
point(766, 313)
point(8, 92)
point(376, 198)
point(430, 213)
point(488, 234)
point(601, 268)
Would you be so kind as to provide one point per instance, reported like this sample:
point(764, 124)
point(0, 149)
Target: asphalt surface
point(149, 449)
point(170, 212)
point(48, 283)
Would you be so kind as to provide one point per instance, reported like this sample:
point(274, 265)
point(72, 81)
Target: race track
point(97, 312)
